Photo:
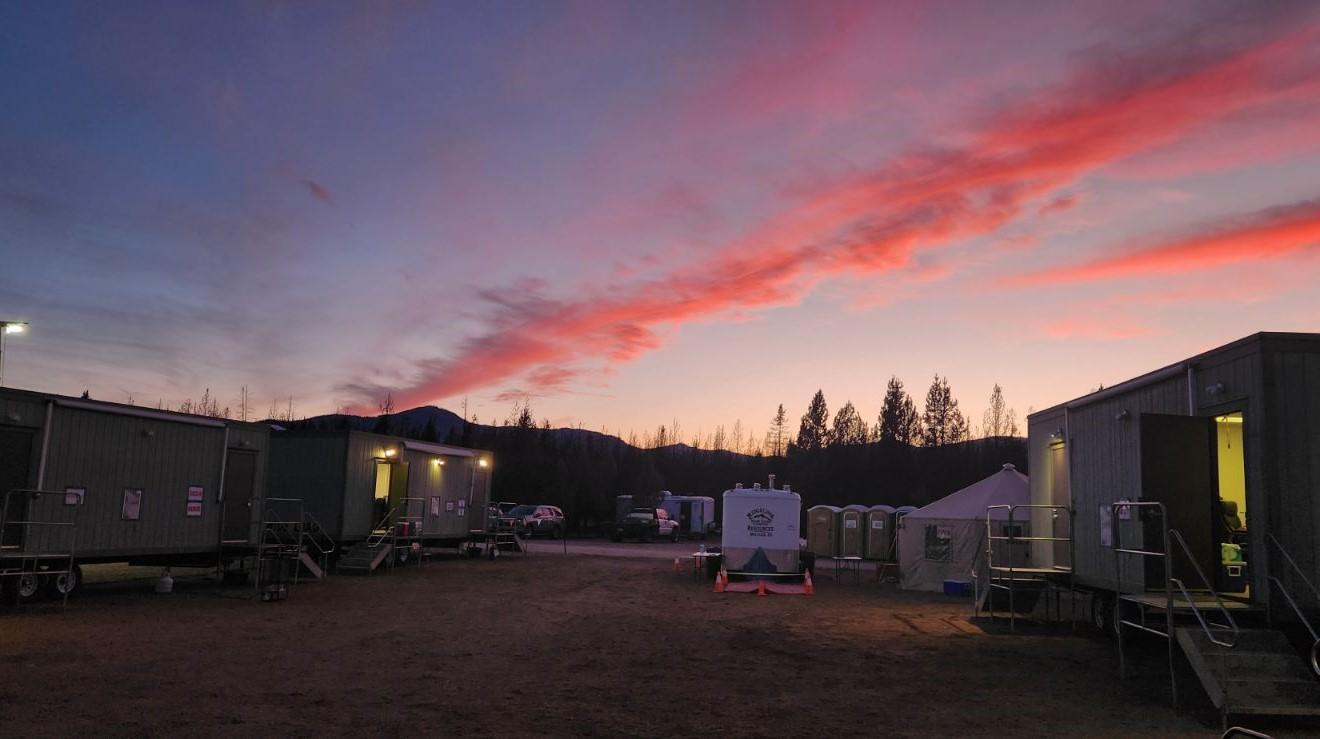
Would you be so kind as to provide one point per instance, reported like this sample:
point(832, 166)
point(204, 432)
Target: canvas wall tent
point(352, 481)
point(880, 533)
point(940, 541)
point(852, 530)
point(1240, 423)
point(823, 530)
point(147, 486)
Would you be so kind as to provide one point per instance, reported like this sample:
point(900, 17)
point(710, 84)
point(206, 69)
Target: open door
point(399, 490)
point(1179, 469)
point(240, 484)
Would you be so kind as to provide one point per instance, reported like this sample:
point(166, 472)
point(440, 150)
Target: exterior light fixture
point(483, 462)
point(8, 328)
point(438, 462)
point(1215, 389)
point(390, 453)
point(1123, 415)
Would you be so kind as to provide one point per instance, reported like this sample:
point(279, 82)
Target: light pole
point(7, 328)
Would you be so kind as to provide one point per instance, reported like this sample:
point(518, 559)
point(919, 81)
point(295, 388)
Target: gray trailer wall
point(447, 484)
point(310, 467)
point(1287, 428)
point(479, 490)
point(108, 452)
point(364, 451)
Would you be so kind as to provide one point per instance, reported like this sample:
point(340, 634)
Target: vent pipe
point(772, 482)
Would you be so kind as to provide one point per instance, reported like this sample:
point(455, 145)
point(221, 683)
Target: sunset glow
point(635, 214)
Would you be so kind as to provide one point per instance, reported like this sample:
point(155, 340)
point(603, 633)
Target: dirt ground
point(550, 644)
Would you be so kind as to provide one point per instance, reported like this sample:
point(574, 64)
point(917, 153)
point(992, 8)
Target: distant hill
point(404, 423)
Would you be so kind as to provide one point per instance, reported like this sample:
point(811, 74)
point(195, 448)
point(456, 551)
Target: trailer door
point(240, 484)
point(15, 474)
point(1179, 469)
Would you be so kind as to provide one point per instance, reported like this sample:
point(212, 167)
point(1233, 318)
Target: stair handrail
point(381, 530)
point(1175, 536)
point(1241, 731)
point(1269, 537)
point(317, 534)
point(1315, 638)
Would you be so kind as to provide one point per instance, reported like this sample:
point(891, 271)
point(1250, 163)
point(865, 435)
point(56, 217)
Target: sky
point(635, 214)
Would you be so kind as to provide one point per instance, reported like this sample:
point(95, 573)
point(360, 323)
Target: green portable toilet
point(880, 533)
point(852, 531)
point(823, 530)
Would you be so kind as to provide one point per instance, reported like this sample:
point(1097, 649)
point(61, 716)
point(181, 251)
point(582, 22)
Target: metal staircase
point(370, 553)
point(25, 565)
point(319, 545)
point(281, 547)
point(1243, 671)
point(1003, 575)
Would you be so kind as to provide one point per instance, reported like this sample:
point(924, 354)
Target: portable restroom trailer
point(880, 533)
point(823, 530)
point(695, 514)
point(852, 530)
point(760, 530)
point(145, 486)
point(1228, 441)
point(353, 483)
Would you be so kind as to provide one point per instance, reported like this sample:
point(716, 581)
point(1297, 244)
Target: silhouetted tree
point(899, 421)
point(999, 420)
point(812, 432)
point(943, 421)
point(849, 428)
point(774, 439)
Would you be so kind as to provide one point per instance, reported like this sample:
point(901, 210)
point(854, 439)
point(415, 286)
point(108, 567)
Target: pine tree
point(899, 421)
point(999, 420)
point(943, 421)
point(812, 433)
point(849, 428)
point(774, 440)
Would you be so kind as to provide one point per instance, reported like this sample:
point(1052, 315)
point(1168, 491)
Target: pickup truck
point(645, 524)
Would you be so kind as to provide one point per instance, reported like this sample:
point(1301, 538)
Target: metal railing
point(1301, 616)
point(412, 525)
point(281, 543)
point(24, 562)
point(1166, 556)
point(992, 578)
point(317, 537)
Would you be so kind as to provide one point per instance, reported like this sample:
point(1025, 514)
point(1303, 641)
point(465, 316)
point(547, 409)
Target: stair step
point(1274, 697)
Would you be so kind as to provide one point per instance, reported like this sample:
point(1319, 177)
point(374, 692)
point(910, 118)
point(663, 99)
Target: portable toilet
point(880, 533)
point(823, 530)
point(760, 531)
point(852, 531)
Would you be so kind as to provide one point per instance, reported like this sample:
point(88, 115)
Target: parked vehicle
point(533, 520)
point(645, 524)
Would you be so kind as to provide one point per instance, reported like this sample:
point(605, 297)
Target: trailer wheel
point(57, 586)
point(23, 588)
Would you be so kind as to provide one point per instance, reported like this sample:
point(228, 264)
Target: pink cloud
point(875, 222)
point(1267, 235)
point(1097, 329)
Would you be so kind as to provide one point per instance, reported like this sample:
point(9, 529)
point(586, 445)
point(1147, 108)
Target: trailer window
point(132, 510)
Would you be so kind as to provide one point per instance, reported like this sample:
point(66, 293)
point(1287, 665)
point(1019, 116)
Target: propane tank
point(166, 583)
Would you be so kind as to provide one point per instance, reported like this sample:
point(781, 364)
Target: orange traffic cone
point(806, 582)
point(677, 566)
point(760, 587)
point(719, 581)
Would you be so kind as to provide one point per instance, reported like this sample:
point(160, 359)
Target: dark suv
point(645, 524)
point(531, 520)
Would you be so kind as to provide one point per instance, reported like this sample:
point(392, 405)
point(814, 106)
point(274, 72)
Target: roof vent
point(788, 488)
point(756, 486)
point(772, 482)
point(1009, 466)
point(737, 486)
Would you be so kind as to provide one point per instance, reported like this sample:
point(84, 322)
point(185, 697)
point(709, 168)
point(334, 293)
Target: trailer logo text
point(760, 522)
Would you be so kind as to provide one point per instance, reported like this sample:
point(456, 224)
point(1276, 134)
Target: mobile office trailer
point(1228, 441)
point(144, 486)
point(355, 483)
point(695, 513)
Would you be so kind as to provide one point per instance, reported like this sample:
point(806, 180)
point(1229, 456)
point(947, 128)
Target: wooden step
point(1261, 674)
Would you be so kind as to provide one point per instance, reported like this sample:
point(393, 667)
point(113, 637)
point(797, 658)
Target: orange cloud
point(1270, 234)
point(874, 223)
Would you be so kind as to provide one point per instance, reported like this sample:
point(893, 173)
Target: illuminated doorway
point(1231, 518)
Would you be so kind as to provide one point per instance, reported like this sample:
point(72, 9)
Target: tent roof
point(1005, 487)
